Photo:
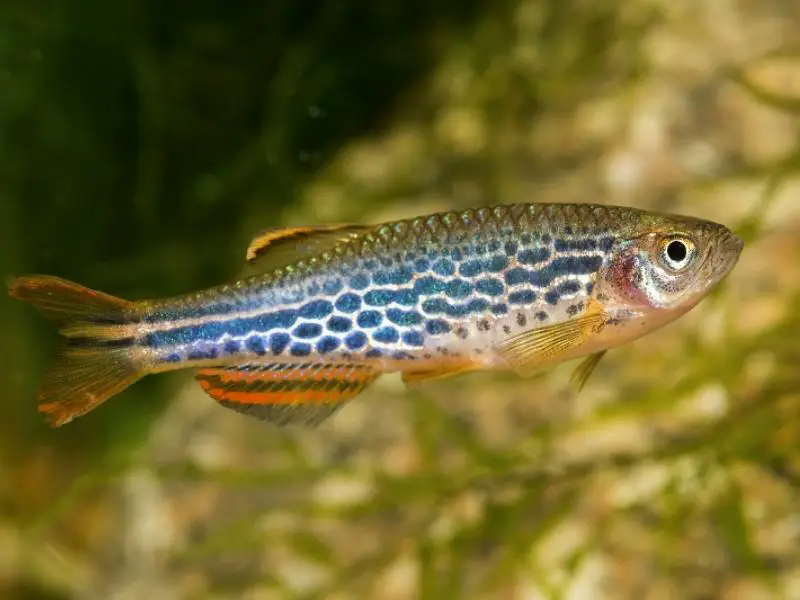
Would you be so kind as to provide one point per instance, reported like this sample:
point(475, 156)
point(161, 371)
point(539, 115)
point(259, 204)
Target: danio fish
point(321, 312)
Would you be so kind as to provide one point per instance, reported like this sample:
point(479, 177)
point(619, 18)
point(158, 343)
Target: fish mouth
point(732, 246)
point(718, 261)
point(728, 250)
point(737, 244)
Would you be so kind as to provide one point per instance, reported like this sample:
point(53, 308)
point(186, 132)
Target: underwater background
point(144, 142)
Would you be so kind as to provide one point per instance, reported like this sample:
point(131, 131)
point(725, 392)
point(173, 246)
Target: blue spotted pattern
point(300, 349)
point(278, 342)
point(492, 264)
point(518, 275)
point(428, 286)
point(328, 344)
point(499, 309)
point(404, 318)
point(569, 287)
point(316, 309)
point(406, 297)
point(439, 306)
point(308, 330)
point(356, 340)
point(422, 265)
point(207, 354)
point(331, 287)
point(215, 330)
point(348, 302)
point(534, 256)
point(379, 297)
point(490, 287)
point(437, 326)
point(398, 276)
point(458, 288)
point(369, 319)
point(522, 297)
point(255, 343)
point(413, 338)
point(386, 335)
point(359, 282)
point(370, 305)
point(338, 324)
point(444, 267)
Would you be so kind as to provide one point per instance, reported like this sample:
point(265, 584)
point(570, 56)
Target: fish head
point(661, 267)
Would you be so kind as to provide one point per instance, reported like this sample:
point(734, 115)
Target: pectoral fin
point(528, 351)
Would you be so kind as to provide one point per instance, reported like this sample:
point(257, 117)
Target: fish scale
point(322, 311)
point(400, 295)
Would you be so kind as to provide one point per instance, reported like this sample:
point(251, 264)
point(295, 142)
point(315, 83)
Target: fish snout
point(733, 244)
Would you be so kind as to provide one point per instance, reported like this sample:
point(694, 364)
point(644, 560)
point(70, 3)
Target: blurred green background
point(144, 142)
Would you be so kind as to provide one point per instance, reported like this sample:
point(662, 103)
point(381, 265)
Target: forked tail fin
point(97, 360)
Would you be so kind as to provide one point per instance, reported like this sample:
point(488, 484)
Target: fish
point(320, 312)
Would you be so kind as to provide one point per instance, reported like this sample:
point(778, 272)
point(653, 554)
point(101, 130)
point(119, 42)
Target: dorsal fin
point(278, 247)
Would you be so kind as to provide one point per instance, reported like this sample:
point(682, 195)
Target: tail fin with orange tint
point(96, 361)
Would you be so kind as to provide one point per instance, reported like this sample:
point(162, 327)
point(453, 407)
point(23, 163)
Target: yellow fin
point(96, 362)
point(283, 394)
point(528, 351)
point(585, 369)
point(275, 248)
point(442, 372)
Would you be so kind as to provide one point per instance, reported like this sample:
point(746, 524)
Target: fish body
point(324, 311)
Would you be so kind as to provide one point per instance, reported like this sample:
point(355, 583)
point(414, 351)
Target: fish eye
point(677, 252)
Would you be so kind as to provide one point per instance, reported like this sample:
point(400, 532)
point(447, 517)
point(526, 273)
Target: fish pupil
point(677, 251)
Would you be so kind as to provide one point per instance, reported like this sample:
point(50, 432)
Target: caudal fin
point(96, 361)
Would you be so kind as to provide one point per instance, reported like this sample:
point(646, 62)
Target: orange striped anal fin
point(283, 394)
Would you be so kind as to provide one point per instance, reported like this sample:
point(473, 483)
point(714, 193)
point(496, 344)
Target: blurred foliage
point(143, 142)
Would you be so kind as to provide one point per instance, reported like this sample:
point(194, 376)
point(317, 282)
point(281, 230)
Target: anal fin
point(283, 394)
